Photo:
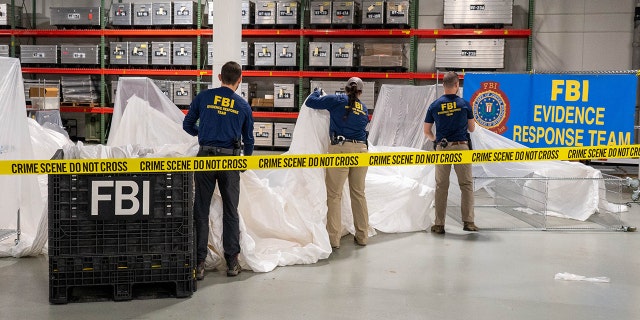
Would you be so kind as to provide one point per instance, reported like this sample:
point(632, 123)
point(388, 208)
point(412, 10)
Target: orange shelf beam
point(271, 32)
point(246, 73)
point(360, 33)
point(258, 73)
point(152, 72)
point(357, 32)
point(447, 33)
point(157, 32)
point(61, 70)
point(86, 109)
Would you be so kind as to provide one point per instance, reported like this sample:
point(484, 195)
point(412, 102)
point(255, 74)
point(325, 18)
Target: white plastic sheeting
point(403, 109)
point(22, 138)
point(282, 212)
point(139, 92)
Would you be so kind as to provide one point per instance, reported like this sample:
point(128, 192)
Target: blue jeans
point(229, 184)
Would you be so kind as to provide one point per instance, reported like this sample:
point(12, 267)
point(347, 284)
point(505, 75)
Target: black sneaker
point(233, 268)
point(200, 271)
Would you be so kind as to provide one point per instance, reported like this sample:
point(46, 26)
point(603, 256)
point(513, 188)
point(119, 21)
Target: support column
point(227, 35)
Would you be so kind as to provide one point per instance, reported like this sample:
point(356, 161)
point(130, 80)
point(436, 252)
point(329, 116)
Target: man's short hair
point(450, 79)
point(230, 73)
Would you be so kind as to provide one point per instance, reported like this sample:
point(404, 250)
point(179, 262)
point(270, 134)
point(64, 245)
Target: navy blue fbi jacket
point(224, 116)
point(353, 127)
point(451, 114)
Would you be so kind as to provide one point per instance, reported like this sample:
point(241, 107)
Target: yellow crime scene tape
point(136, 165)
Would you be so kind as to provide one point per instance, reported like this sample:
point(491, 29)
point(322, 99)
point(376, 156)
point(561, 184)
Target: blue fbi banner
point(555, 110)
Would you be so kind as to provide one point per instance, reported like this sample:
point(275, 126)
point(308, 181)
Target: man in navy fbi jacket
point(226, 122)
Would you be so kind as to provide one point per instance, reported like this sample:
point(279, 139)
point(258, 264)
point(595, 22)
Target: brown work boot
point(437, 228)
point(361, 243)
point(200, 271)
point(233, 267)
point(470, 226)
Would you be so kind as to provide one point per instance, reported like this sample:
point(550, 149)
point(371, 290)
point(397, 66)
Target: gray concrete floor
point(485, 275)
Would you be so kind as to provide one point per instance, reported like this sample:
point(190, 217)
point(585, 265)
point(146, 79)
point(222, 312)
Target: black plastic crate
point(82, 279)
point(120, 214)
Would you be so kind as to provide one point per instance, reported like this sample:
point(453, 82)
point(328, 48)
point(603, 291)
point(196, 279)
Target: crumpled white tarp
point(22, 138)
point(399, 121)
point(282, 212)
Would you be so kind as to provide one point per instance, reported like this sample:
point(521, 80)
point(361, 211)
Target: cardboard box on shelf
point(386, 49)
point(382, 61)
point(262, 102)
point(43, 92)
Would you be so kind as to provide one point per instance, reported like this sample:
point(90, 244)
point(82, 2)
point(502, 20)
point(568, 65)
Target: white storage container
point(75, 16)
point(263, 134)
point(118, 53)
point(344, 54)
point(265, 12)
point(264, 53)
point(320, 12)
point(79, 54)
point(47, 54)
point(161, 13)
point(373, 12)
point(161, 53)
point(470, 53)
point(478, 12)
point(287, 12)
point(284, 95)
point(286, 54)
point(139, 52)
point(121, 14)
point(143, 15)
point(319, 54)
point(283, 134)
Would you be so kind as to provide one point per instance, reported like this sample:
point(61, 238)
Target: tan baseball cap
point(357, 81)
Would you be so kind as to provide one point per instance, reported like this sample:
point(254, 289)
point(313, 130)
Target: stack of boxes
point(160, 13)
point(269, 134)
point(268, 13)
point(483, 54)
point(337, 54)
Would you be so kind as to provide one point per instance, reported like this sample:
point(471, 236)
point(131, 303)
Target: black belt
point(217, 151)
point(341, 139)
point(453, 143)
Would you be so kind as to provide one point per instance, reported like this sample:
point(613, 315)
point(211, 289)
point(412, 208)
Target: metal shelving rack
point(413, 34)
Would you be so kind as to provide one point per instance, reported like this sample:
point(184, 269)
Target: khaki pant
point(335, 179)
point(465, 180)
